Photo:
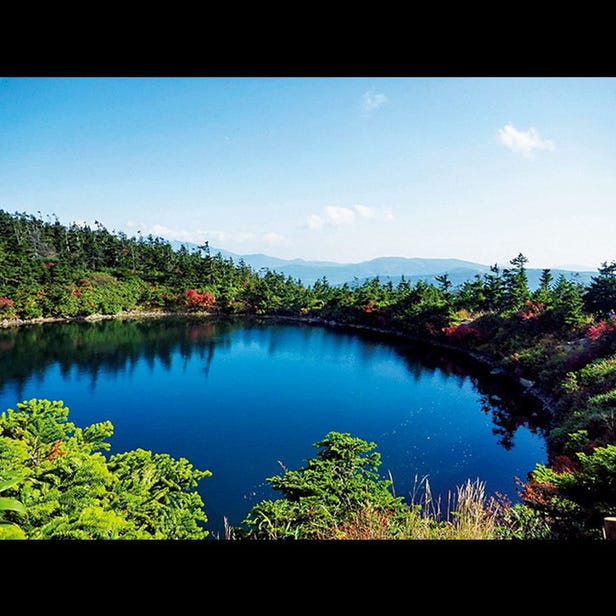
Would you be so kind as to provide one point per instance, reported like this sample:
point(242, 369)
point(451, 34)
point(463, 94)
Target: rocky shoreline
point(132, 314)
point(494, 367)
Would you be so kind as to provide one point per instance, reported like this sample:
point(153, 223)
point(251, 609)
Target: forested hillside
point(559, 339)
point(392, 269)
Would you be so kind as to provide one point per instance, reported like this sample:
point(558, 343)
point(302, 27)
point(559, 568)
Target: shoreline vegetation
point(496, 368)
point(556, 341)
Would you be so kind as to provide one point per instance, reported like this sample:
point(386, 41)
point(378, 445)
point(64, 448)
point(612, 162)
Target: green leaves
point(154, 492)
point(10, 530)
point(11, 504)
point(340, 481)
point(58, 480)
point(576, 496)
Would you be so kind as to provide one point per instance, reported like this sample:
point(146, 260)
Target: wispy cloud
point(315, 221)
point(372, 100)
point(374, 213)
point(196, 236)
point(275, 239)
point(217, 236)
point(523, 142)
point(336, 216)
point(339, 216)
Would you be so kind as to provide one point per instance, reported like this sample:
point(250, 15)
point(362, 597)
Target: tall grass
point(470, 515)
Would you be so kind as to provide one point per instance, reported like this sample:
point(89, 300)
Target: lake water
point(242, 398)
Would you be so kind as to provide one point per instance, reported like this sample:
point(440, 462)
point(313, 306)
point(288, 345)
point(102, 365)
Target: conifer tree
point(568, 304)
point(70, 490)
point(543, 293)
point(516, 291)
point(600, 296)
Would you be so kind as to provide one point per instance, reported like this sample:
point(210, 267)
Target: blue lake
point(245, 397)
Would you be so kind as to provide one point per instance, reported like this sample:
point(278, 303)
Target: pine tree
point(70, 490)
point(516, 284)
point(544, 293)
point(568, 304)
point(600, 297)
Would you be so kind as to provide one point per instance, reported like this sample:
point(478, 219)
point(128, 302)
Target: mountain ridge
point(387, 269)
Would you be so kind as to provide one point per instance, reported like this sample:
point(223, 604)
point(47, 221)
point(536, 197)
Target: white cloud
point(339, 216)
point(523, 142)
point(178, 234)
point(275, 239)
point(372, 100)
point(230, 240)
point(336, 216)
point(315, 221)
point(374, 213)
point(196, 236)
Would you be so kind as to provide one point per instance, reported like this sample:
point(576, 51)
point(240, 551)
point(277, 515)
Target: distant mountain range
point(386, 268)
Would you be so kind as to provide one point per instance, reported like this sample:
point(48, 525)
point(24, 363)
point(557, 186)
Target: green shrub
point(575, 494)
point(70, 490)
point(340, 482)
point(9, 529)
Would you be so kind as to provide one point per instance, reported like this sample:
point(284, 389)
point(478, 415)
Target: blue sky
point(334, 168)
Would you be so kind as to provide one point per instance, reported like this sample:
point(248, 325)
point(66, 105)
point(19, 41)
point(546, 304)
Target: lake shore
point(494, 367)
point(130, 314)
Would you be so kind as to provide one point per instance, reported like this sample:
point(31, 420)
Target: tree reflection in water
point(110, 346)
point(273, 388)
point(116, 346)
point(508, 403)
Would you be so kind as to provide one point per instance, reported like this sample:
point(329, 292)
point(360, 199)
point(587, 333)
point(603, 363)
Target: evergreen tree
point(69, 490)
point(471, 295)
point(444, 283)
point(600, 297)
point(568, 304)
point(543, 293)
point(340, 481)
point(493, 289)
point(516, 291)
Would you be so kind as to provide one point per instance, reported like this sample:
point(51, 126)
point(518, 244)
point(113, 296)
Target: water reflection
point(236, 396)
point(507, 403)
point(109, 346)
point(114, 347)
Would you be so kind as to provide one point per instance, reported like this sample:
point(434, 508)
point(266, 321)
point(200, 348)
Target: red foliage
point(465, 333)
point(369, 307)
point(55, 451)
point(203, 300)
point(538, 492)
point(589, 449)
point(6, 302)
point(531, 310)
point(564, 464)
point(596, 331)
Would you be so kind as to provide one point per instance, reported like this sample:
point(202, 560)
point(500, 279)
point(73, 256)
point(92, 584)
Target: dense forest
point(558, 341)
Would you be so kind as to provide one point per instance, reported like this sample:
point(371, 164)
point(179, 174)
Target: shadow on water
point(116, 346)
point(274, 387)
point(506, 401)
point(109, 346)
